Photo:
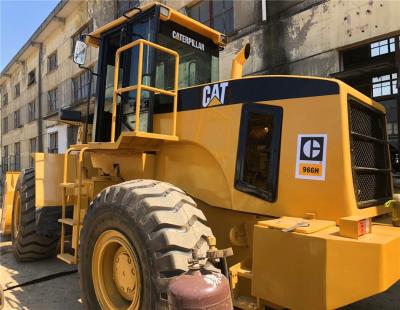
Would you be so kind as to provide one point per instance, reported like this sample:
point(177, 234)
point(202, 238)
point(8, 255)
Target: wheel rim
point(115, 272)
point(17, 214)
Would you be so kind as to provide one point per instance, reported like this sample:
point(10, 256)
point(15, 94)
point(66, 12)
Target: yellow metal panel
point(49, 176)
point(8, 201)
point(323, 270)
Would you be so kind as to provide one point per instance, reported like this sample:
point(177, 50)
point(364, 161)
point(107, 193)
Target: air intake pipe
point(238, 62)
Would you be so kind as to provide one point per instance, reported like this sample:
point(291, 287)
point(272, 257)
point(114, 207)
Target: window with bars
point(383, 47)
point(53, 142)
point(31, 111)
point(125, 5)
point(52, 62)
point(17, 119)
point(88, 28)
point(80, 86)
point(384, 85)
point(17, 89)
point(216, 14)
point(5, 99)
point(52, 101)
point(32, 77)
point(17, 153)
point(32, 149)
point(5, 125)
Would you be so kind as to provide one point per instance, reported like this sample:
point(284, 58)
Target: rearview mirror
point(80, 53)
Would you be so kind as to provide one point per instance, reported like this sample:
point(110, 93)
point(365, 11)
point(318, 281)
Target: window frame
point(17, 119)
point(53, 148)
point(31, 114)
point(50, 67)
point(79, 78)
point(17, 86)
point(5, 156)
point(210, 22)
point(4, 99)
point(377, 82)
point(32, 150)
point(119, 12)
point(273, 169)
point(17, 155)
point(5, 125)
point(51, 111)
point(31, 77)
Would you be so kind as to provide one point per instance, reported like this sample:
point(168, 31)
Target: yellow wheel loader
point(292, 172)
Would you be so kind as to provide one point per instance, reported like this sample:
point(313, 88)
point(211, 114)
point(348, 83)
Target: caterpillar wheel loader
point(292, 172)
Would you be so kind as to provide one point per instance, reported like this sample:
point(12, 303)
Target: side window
point(258, 151)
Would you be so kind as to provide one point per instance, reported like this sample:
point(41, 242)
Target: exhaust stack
point(238, 62)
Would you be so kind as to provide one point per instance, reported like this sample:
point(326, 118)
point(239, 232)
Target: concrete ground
point(51, 284)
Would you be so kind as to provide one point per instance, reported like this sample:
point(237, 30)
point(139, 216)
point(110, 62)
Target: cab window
point(258, 152)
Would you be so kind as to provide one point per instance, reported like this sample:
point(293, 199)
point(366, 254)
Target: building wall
point(56, 36)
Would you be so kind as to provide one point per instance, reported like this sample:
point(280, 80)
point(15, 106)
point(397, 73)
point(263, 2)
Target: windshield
point(198, 63)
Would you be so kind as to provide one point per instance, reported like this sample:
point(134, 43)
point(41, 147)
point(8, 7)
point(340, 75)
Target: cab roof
point(166, 13)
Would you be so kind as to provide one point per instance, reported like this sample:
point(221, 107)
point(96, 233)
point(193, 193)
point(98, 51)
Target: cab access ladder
point(72, 191)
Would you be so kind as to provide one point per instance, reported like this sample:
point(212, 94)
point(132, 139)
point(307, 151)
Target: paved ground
point(54, 284)
point(51, 284)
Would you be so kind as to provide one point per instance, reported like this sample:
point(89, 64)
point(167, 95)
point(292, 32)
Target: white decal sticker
point(311, 156)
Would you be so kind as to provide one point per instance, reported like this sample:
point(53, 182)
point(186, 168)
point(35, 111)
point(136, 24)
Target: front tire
point(136, 237)
point(28, 244)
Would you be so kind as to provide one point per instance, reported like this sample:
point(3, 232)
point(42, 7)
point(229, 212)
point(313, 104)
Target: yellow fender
point(8, 201)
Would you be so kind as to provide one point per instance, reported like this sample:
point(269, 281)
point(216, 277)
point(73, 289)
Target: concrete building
point(357, 41)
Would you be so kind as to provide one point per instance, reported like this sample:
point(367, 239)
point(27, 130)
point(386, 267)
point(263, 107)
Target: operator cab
point(198, 48)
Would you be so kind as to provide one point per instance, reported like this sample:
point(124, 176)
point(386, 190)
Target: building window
point(5, 125)
point(80, 86)
point(216, 14)
point(17, 152)
point(52, 101)
point(384, 85)
point(5, 99)
point(125, 5)
point(53, 142)
point(72, 135)
point(4, 161)
point(17, 90)
point(52, 62)
point(17, 119)
point(31, 111)
point(88, 28)
point(383, 47)
point(32, 77)
point(32, 149)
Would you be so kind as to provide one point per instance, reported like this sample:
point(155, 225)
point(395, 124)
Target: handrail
point(139, 87)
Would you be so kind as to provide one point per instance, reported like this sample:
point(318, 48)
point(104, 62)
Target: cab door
point(142, 26)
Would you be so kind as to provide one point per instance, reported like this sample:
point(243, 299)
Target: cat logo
point(214, 94)
point(311, 157)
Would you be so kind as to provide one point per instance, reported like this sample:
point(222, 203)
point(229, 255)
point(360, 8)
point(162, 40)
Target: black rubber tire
point(160, 221)
point(27, 244)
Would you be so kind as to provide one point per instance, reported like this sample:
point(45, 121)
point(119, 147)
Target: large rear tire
point(28, 244)
point(143, 228)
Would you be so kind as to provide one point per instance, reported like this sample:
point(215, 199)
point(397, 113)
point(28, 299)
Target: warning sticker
point(311, 156)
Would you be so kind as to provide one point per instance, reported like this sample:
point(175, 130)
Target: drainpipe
point(39, 45)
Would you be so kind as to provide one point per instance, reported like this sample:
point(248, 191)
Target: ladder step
point(67, 221)
point(68, 185)
point(68, 258)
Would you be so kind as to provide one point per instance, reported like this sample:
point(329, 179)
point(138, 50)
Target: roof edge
point(37, 32)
